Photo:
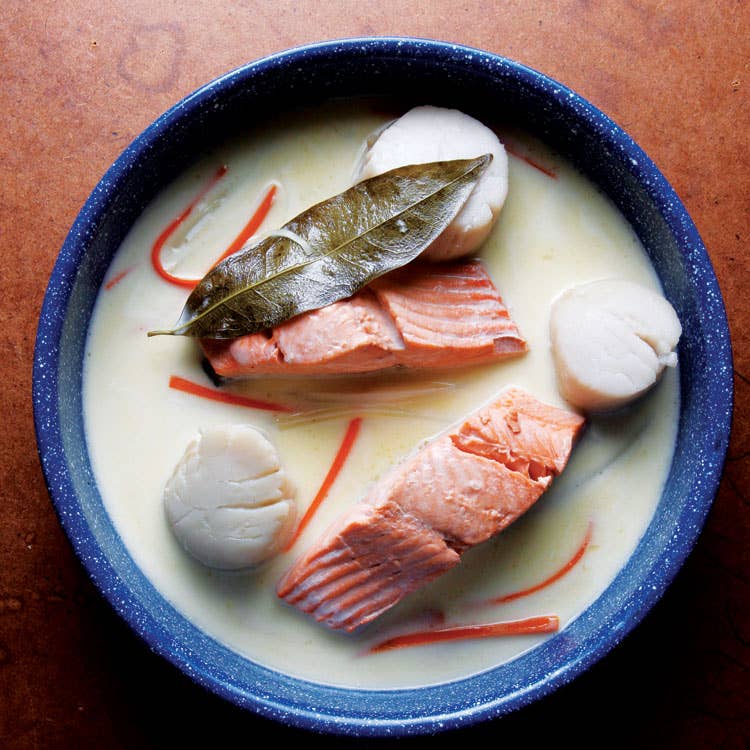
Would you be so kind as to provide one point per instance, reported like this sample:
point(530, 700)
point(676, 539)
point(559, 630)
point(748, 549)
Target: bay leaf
point(330, 251)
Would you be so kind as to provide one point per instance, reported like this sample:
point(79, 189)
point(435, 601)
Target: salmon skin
point(423, 315)
point(457, 491)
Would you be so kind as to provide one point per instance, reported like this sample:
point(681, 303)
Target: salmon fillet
point(459, 490)
point(424, 315)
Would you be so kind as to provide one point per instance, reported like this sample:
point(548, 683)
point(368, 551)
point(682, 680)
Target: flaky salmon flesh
point(421, 316)
point(458, 491)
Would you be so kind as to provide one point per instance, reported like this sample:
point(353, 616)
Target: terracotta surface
point(81, 79)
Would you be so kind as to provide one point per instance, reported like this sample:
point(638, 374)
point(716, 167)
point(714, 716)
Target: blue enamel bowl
point(493, 89)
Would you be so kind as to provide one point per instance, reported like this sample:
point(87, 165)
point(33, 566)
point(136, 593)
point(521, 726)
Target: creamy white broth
point(552, 233)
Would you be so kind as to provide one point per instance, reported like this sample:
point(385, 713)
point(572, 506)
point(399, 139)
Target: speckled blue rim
point(495, 89)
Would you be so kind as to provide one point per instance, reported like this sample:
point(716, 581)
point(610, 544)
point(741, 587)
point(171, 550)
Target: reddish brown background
point(81, 79)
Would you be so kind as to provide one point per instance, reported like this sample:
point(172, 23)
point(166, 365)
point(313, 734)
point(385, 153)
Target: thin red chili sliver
point(253, 225)
point(117, 278)
point(574, 560)
point(247, 231)
point(195, 389)
point(172, 226)
point(531, 162)
point(342, 454)
point(529, 626)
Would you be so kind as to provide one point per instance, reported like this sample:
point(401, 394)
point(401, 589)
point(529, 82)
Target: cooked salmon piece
point(457, 491)
point(521, 432)
point(351, 335)
point(448, 316)
point(256, 350)
point(425, 315)
point(354, 335)
point(365, 565)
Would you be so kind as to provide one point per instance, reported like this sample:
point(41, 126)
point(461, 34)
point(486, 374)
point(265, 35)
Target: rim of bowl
point(362, 721)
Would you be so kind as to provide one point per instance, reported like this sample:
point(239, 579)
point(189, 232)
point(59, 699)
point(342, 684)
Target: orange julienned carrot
point(253, 225)
point(531, 162)
point(342, 454)
point(528, 626)
point(247, 231)
point(569, 565)
point(172, 226)
point(195, 389)
point(117, 278)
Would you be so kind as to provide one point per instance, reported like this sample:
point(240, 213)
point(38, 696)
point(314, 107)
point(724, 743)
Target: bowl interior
point(495, 90)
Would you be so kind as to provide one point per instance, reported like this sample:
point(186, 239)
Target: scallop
point(611, 340)
point(229, 501)
point(426, 134)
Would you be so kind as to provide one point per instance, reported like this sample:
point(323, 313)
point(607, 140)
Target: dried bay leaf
point(330, 251)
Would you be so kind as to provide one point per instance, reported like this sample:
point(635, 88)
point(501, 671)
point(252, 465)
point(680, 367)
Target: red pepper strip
point(529, 626)
point(531, 162)
point(247, 231)
point(253, 225)
point(195, 389)
point(338, 462)
point(172, 226)
point(117, 278)
point(554, 577)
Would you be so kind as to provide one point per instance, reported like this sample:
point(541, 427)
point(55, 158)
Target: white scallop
point(611, 339)
point(228, 501)
point(426, 134)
